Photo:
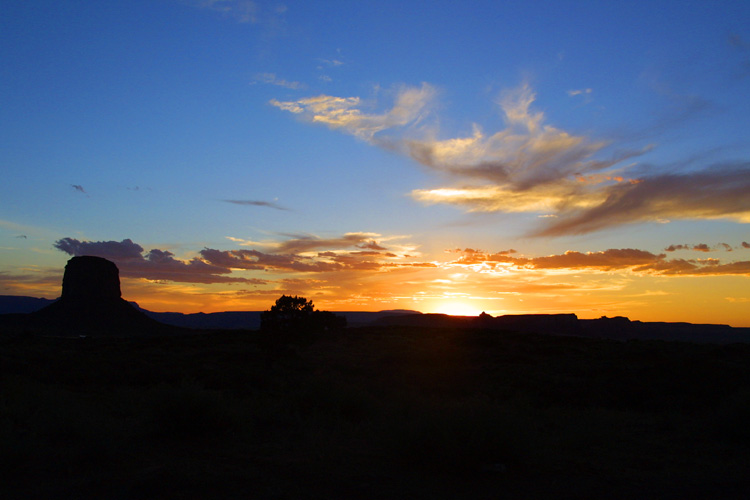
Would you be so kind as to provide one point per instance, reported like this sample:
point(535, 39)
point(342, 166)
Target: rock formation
point(91, 279)
point(91, 303)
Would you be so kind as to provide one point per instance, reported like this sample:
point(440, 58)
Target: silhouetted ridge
point(91, 303)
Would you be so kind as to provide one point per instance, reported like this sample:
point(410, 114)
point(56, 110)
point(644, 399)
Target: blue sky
point(345, 150)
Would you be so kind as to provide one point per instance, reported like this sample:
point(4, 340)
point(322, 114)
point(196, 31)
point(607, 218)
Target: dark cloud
point(117, 251)
point(321, 262)
point(22, 237)
point(720, 191)
point(372, 245)
point(674, 248)
point(709, 267)
point(299, 244)
point(700, 247)
point(745, 244)
point(257, 203)
point(158, 265)
point(78, 188)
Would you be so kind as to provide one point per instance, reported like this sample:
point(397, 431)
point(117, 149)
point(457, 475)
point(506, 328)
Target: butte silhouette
point(92, 304)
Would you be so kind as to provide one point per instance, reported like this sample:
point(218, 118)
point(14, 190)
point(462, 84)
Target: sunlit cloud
point(505, 199)
point(345, 113)
point(577, 183)
point(527, 153)
point(634, 260)
point(717, 192)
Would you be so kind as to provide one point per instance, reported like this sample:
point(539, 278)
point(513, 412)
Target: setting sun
point(456, 308)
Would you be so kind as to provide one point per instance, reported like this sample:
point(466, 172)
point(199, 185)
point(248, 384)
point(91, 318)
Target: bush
point(297, 315)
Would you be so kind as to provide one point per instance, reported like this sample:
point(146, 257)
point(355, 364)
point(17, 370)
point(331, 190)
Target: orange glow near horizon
point(466, 283)
point(720, 300)
point(461, 307)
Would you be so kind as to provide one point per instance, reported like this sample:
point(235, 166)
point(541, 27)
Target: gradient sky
point(507, 157)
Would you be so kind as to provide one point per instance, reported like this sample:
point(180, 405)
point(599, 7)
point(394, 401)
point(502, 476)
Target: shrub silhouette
point(297, 315)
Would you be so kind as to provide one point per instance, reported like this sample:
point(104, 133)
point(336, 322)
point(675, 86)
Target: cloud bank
point(625, 259)
point(154, 265)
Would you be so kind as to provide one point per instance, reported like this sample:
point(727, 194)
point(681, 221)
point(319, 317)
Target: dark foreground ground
point(384, 413)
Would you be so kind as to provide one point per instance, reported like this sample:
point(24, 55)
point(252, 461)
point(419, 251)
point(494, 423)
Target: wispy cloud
point(272, 79)
point(78, 188)
point(346, 114)
point(576, 92)
point(579, 183)
point(716, 192)
point(332, 62)
point(243, 11)
point(633, 260)
point(257, 203)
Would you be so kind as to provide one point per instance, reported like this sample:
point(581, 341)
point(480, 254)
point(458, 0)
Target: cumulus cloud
point(321, 262)
point(118, 251)
point(674, 248)
point(153, 265)
point(299, 254)
point(346, 114)
point(257, 203)
point(745, 244)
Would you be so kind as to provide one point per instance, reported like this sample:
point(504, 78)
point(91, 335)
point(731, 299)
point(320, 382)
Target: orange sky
point(365, 272)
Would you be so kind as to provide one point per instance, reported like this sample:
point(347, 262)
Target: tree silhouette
point(297, 315)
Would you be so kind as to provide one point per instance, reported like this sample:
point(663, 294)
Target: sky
point(509, 157)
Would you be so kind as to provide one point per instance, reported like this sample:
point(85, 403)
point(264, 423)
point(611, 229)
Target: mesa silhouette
point(91, 304)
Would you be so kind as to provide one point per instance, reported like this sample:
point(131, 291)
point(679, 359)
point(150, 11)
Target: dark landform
point(413, 406)
point(91, 303)
point(618, 328)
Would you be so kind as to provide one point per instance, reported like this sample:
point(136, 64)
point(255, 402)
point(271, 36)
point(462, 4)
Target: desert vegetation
point(380, 412)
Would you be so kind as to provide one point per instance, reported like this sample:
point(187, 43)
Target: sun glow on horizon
point(455, 308)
